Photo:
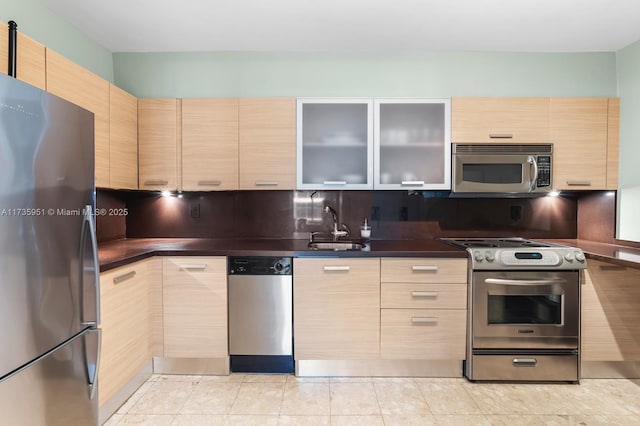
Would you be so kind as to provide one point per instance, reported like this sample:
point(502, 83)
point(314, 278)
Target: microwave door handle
point(533, 164)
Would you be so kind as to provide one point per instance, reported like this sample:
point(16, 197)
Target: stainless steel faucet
point(343, 231)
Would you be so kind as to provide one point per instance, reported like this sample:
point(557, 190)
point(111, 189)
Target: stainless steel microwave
point(502, 168)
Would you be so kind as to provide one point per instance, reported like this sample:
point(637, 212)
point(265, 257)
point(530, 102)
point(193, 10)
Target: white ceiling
point(355, 25)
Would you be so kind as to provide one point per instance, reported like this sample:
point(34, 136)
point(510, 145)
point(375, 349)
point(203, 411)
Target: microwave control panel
point(544, 171)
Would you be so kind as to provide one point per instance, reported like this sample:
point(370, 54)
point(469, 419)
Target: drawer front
point(425, 296)
point(421, 270)
point(423, 334)
point(525, 367)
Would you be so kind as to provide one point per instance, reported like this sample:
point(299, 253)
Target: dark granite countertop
point(620, 255)
point(119, 253)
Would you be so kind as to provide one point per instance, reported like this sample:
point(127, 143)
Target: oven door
point(515, 173)
point(525, 309)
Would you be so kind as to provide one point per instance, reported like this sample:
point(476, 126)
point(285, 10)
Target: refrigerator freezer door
point(46, 178)
point(57, 389)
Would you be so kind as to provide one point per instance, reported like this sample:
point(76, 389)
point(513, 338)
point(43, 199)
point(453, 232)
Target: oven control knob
point(580, 257)
point(569, 257)
point(489, 256)
point(478, 257)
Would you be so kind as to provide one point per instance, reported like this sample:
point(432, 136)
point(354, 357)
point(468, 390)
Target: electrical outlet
point(404, 213)
point(375, 213)
point(516, 212)
point(195, 210)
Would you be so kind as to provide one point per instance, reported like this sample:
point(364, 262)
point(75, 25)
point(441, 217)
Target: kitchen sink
point(335, 245)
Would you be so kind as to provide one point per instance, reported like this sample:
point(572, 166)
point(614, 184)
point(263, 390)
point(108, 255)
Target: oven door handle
point(501, 281)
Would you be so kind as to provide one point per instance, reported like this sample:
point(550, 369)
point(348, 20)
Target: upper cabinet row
point(217, 144)
point(115, 111)
point(583, 131)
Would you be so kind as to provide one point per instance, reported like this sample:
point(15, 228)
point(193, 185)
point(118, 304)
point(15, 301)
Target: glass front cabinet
point(335, 143)
point(367, 144)
point(412, 144)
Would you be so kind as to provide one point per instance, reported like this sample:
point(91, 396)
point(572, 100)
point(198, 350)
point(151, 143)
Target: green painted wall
point(628, 226)
point(432, 74)
point(38, 22)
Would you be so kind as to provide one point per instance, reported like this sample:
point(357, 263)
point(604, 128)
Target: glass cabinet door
point(412, 144)
point(335, 144)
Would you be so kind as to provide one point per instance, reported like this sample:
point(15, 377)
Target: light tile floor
point(241, 399)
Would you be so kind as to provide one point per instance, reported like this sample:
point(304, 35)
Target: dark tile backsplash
point(293, 214)
point(597, 219)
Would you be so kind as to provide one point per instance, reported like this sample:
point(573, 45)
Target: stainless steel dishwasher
point(261, 314)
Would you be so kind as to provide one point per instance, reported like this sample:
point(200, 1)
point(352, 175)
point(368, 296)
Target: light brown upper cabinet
point(267, 129)
point(78, 85)
point(209, 144)
point(500, 120)
point(578, 130)
point(613, 143)
point(123, 143)
point(158, 123)
point(30, 61)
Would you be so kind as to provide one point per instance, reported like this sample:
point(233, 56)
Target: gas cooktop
point(511, 242)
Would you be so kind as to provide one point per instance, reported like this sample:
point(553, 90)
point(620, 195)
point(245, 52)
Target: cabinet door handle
point(335, 182)
point(124, 277)
point(412, 183)
point(579, 182)
point(424, 268)
point(194, 267)
point(424, 294)
point(209, 182)
point(337, 268)
point(156, 182)
point(266, 183)
point(501, 135)
point(424, 320)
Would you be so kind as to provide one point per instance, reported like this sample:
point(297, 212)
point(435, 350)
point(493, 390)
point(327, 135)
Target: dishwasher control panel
point(260, 265)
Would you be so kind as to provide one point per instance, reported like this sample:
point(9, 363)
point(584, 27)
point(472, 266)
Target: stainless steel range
point(524, 310)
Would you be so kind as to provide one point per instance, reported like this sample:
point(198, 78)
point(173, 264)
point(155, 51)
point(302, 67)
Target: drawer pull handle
point(424, 320)
point(209, 182)
point(266, 183)
point(335, 182)
point(156, 182)
point(337, 268)
point(124, 277)
point(194, 267)
point(501, 135)
point(524, 362)
point(424, 268)
point(424, 294)
point(579, 182)
point(412, 183)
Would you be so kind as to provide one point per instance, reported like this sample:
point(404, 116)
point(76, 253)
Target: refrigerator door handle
point(92, 349)
point(88, 225)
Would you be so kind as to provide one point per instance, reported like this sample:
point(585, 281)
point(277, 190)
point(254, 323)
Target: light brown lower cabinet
point(424, 309)
point(610, 313)
point(126, 325)
point(336, 308)
point(194, 302)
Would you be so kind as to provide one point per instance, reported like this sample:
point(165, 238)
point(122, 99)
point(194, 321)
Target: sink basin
point(335, 245)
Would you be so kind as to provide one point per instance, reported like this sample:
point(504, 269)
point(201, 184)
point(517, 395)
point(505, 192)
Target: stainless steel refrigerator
point(49, 274)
